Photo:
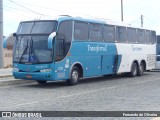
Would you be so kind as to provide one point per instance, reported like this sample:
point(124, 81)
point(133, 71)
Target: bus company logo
point(136, 48)
point(97, 48)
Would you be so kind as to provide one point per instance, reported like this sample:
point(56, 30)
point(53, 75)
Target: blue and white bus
point(158, 52)
point(70, 48)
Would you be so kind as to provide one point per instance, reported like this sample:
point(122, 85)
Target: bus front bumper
point(47, 76)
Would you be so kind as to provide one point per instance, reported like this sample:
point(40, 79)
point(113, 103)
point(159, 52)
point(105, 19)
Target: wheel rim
point(75, 75)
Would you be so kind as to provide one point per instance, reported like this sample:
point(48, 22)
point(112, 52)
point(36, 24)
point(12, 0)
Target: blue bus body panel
point(97, 58)
point(61, 72)
point(32, 68)
point(92, 66)
point(80, 48)
point(107, 64)
point(33, 76)
point(110, 64)
point(32, 72)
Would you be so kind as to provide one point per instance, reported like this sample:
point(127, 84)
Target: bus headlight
point(46, 70)
point(15, 70)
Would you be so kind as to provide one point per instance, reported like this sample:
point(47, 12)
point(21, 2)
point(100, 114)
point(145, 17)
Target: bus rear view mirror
point(50, 40)
point(8, 40)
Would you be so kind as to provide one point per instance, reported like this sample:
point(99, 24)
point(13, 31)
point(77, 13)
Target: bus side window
point(80, 31)
point(109, 33)
point(153, 37)
point(158, 48)
point(131, 34)
point(140, 36)
point(147, 37)
point(158, 39)
point(121, 34)
point(95, 32)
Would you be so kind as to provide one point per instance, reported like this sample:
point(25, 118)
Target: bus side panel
point(108, 64)
point(92, 66)
point(63, 68)
point(135, 52)
point(61, 72)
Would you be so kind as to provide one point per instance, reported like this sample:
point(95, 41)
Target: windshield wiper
point(31, 52)
point(24, 52)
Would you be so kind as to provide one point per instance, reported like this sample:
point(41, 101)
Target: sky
point(15, 11)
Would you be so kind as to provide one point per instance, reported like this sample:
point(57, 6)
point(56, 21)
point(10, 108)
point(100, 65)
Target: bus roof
point(92, 20)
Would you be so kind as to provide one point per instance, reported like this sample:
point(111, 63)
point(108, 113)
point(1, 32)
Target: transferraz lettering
point(97, 48)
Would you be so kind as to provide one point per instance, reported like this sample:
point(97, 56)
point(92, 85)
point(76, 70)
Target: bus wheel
point(74, 78)
point(141, 69)
point(41, 82)
point(134, 70)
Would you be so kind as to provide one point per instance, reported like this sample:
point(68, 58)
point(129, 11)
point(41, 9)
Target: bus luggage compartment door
point(110, 64)
point(92, 66)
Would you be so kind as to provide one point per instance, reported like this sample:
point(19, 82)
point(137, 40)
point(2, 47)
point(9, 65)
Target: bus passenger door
point(92, 66)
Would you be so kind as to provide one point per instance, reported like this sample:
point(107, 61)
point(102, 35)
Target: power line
point(27, 8)
point(41, 7)
point(152, 21)
point(139, 20)
point(133, 21)
point(5, 6)
point(46, 8)
point(9, 10)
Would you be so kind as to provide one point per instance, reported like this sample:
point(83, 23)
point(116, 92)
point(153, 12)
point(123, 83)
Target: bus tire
point(41, 82)
point(134, 70)
point(74, 76)
point(141, 69)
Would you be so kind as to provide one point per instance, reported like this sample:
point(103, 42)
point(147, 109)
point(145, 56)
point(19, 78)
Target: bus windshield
point(31, 42)
point(39, 27)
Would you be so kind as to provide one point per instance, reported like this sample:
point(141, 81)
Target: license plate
point(28, 76)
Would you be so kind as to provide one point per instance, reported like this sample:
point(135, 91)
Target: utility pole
point(142, 18)
point(1, 35)
point(122, 10)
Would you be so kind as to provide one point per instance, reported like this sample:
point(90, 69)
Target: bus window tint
point(147, 37)
point(153, 36)
point(158, 39)
point(64, 40)
point(43, 27)
point(80, 31)
point(140, 36)
point(66, 29)
point(158, 48)
point(25, 28)
point(131, 33)
point(121, 34)
point(95, 32)
point(108, 33)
